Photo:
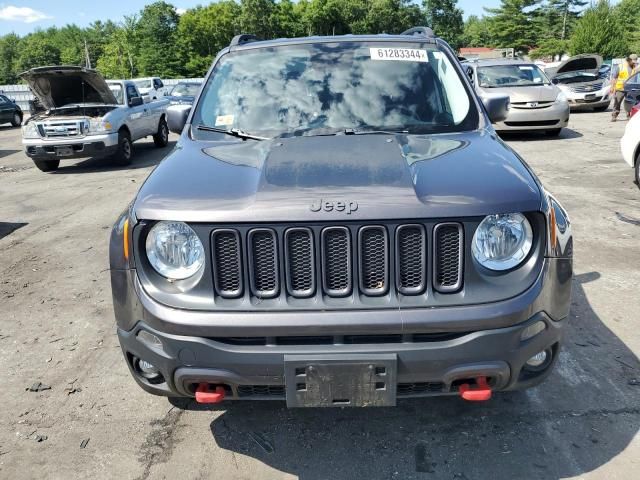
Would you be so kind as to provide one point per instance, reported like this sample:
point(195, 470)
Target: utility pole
point(87, 59)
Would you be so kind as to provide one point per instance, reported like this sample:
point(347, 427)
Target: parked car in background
point(84, 116)
point(183, 93)
point(150, 87)
point(632, 92)
point(536, 104)
point(580, 79)
point(630, 145)
point(10, 111)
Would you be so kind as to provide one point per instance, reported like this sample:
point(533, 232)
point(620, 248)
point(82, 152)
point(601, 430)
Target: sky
point(23, 17)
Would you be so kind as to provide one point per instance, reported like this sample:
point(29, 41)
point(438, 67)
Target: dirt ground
point(57, 328)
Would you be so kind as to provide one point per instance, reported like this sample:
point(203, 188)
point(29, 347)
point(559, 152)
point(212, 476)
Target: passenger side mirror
point(497, 107)
point(177, 117)
point(135, 101)
point(555, 81)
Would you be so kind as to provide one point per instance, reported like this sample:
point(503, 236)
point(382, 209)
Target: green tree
point(36, 50)
point(156, 40)
point(550, 48)
point(445, 18)
point(476, 32)
point(626, 12)
point(598, 31)
point(512, 24)
point(9, 51)
point(118, 59)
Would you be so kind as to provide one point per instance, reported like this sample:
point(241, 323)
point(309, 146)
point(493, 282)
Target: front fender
point(559, 235)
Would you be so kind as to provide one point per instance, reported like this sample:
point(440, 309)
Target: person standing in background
point(619, 75)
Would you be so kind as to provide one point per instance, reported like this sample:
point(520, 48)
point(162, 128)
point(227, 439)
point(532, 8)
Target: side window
point(132, 92)
point(634, 78)
point(157, 83)
point(2, 100)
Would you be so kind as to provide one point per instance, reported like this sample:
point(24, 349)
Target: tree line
point(160, 41)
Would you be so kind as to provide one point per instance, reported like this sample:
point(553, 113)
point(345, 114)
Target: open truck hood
point(587, 62)
point(58, 86)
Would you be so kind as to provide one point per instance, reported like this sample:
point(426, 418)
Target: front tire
point(16, 121)
point(553, 133)
point(47, 165)
point(638, 172)
point(124, 153)
point(161, 138)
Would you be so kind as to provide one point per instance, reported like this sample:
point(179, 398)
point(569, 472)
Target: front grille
point(227, 263)
point(61, 129)
point(374, 260)
point(531, 105)
point(591, 87)
point(301, 275)
point(336, 261)
point(318, 263)
point(260, 390)
point(448, 257)
point(342, 339)
point(419, 388)
point(263, 260)
point(533, 123)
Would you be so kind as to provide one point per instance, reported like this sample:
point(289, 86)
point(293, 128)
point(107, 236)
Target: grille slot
point(260, 390)
point(300, 262)
point(448, 244)
point(336, 261)
point(591, 87)
point(263, 262)
point(418, 388)
point(373, 260)
point(227, 262)
point(411, 253)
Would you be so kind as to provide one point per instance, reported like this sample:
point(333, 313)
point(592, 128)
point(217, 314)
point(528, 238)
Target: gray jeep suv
point(339, 225)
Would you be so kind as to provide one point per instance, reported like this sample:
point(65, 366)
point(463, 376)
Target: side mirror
point(177, 117)
point(555, 81)
point(135, 101)
point(497, 107)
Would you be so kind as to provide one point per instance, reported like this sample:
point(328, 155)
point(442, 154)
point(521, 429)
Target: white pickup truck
point(86, 116)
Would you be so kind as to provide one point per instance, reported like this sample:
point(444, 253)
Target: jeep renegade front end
point(339, 225)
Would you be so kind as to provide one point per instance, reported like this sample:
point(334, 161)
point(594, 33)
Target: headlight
point(561, 98)
point(174, 250)
point(99, 126)
point(502, 242)
point(29, 130)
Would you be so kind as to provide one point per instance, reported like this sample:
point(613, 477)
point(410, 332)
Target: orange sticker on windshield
point(224, 120)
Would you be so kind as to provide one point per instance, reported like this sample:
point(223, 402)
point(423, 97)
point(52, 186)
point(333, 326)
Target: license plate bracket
point(351, 380)
point(64, 151)
point(590, 96)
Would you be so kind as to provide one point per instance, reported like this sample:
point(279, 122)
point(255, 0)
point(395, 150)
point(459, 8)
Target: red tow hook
point(479, 393)
point(204, 395)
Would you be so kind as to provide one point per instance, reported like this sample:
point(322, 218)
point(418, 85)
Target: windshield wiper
point(234, 132)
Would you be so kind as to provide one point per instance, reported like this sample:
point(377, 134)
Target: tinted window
point(511, 76)
point(312, 88)
point(131, 91)
point(3, 99)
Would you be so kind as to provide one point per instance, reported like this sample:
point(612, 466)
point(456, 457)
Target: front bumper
point(526, 119)
point(588, 100)
point(89, 146)
point(244, 352)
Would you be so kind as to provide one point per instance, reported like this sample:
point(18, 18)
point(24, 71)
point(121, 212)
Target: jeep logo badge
point(337, 206)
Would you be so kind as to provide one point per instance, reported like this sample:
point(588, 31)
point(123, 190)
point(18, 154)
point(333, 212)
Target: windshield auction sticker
point(399, 54)
point(224, 120)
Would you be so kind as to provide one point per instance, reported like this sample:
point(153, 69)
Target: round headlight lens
point(174, 250)
point(503, 241)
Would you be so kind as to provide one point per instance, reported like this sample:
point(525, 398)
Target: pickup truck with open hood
point(85, 116)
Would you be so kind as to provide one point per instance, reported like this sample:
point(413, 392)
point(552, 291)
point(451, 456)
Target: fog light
point(539, 362)
point(532, 330)
point(150, 339)
point(147, 369)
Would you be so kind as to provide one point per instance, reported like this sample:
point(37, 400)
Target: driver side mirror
point(177, 117)
point(497, 107)
point(135, 101)
point(555, 81)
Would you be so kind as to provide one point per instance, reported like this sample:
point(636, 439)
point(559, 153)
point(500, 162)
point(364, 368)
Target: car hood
point(538, 93)
point(65, 85)
point(586, 62)
point(329, 178)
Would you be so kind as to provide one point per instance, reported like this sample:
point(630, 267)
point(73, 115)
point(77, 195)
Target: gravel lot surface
point(57, 328)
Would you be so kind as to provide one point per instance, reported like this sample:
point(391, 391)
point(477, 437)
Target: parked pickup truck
point(85, 116)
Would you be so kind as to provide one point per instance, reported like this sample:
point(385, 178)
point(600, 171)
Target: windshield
point(116, 89)
point(327, 88)
point(511, 76)
point(185, 89)
point(143, 83)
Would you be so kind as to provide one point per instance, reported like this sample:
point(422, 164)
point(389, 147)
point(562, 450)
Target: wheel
point(47, 165)
point(16, 121)
point(161, 138)
point(602, 108)
point(553, 133)
point(125, 151)
point(638, 172)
